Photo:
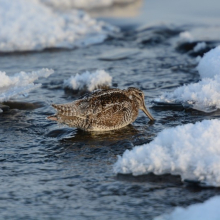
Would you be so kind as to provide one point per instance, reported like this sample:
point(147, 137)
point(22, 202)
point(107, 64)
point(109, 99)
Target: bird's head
point(138, 95)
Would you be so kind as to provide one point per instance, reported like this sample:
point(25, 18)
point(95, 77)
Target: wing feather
point(102, 103)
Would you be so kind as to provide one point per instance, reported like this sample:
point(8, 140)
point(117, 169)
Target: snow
point(204, 95)
point(191, 151)
point(88, 80)
point(200, 46)
point(200, 33)
point(209, 210)
point(209, 65)
point(28, 25)
point(186, 36)
point(20, 83)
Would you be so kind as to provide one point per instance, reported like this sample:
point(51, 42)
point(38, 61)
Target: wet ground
point(50, 171)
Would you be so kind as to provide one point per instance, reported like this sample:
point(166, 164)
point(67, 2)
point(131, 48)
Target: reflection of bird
point(103, 110)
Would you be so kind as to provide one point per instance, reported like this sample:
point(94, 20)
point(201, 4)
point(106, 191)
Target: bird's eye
point(140, 94)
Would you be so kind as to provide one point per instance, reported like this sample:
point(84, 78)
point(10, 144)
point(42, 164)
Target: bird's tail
point(57, 106)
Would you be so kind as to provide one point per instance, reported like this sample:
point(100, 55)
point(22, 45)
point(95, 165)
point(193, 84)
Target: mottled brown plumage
point(102, 110)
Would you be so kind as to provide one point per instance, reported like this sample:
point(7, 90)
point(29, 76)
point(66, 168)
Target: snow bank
point(31, 25)
point(88, 80)
point(209, 65)
point(204, 95)
point(20, 83)
point(208, 210)
point(191, 151)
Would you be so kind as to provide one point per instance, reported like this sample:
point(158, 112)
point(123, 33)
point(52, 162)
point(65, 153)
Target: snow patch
point(209, 65)
point(190, 150)
point(204, 211)
point(204, 95)
point(31, 25)
point(20, 83)
point(200, 46)
point(186, 36)
point(88, 80)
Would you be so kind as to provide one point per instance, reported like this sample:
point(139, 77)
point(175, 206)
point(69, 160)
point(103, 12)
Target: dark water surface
point(50, 171)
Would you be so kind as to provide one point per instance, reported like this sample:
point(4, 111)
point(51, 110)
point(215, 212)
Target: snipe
point(103, 110)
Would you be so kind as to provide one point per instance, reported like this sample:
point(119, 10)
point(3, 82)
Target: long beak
point(144, 109)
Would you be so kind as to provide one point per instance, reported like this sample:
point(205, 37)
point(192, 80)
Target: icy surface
point(204, 95)
point(208, 210)
point(88, 80)
point(20, 83)
point(190, 150)
point(31, 25)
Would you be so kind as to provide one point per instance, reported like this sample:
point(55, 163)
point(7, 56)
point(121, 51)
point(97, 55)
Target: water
point(50, 171)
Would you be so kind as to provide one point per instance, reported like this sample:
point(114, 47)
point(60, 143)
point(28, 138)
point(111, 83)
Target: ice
point(209, 65)
point(201, 33)
point(88, 80)
point(186, 36)
point(31, 25)
point(204, 95)
point(209, 210)
point(200, 46)
point(191, 151)
point(198, 39)
point(20, 83)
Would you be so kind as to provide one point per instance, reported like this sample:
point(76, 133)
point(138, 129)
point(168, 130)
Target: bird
point(102, 110)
